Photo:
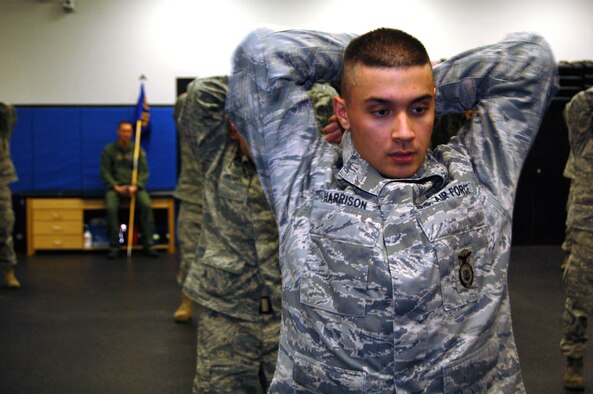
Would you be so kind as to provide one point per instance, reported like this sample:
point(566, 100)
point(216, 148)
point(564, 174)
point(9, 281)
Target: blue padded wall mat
point(21, 149)
point(57, 149)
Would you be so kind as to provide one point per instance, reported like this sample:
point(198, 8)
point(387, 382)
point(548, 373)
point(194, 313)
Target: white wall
point(96, 54)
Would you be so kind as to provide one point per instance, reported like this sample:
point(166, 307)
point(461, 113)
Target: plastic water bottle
point(123, 229)
point(87, 238)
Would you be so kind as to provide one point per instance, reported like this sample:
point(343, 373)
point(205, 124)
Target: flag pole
point(134, 183)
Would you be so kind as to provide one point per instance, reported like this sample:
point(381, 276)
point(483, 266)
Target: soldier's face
point(124, 133)
point(390, 112)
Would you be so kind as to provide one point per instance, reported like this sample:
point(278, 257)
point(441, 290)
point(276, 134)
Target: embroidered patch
point(341, 198)
point(452, 191)
point(466, 271)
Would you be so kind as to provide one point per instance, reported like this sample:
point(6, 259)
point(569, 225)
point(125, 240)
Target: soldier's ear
point(341, 111)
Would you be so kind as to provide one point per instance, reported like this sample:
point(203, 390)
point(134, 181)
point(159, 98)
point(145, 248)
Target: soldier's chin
point(399, 172)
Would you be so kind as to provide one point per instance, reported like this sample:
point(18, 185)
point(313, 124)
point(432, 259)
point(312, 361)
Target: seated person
point(117, 161)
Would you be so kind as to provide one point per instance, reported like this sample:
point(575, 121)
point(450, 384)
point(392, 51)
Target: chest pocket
point(457, 229)
point(342, 239)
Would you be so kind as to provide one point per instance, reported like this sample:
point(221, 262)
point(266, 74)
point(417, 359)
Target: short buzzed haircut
point(384, 47)
point(123, 122)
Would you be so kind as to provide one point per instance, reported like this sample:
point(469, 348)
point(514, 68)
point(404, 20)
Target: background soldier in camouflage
point(7, 175)
point(447, 126)
point(567, 244)
point(578, 275)
point(394, 258)
point(322, 97)
point(235, 279)
point(116, 172)
point(189, 217)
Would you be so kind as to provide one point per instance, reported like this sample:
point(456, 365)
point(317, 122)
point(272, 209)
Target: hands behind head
point(333, 131)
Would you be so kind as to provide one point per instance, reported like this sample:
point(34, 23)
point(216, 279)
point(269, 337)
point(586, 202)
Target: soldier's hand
point(469, 114)
point(132, 190)
point(333, 131)
point(121, 190)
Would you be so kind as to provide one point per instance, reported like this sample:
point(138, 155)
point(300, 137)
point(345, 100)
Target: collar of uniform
point(358, 171)
point(124, 150)
point(432, 168)
point(361, 174)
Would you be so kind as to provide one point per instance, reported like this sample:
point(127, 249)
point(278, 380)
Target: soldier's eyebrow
point(379, 100)
point(423, 98)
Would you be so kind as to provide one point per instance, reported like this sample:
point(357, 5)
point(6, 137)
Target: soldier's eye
point(381, 112)
point(419, 110)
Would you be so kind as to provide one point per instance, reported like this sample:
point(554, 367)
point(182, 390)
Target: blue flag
point(143, 111)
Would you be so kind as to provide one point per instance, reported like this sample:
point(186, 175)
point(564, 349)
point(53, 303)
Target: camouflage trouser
point(189, 228)
point(568, 237)
point(567, 245)
point(144, 209)
point(7, 254)
point(234, 355)
point(578, 284)
point(568, 241)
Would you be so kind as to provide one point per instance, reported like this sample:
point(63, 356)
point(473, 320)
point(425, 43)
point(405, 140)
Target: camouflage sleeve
point(269, 104)
point(106, 170)
point(179, 104)
point(143, 171)
point(202, 118)
point(578, 115)
point(266, 248)
point(7, 119)
point(510, 85)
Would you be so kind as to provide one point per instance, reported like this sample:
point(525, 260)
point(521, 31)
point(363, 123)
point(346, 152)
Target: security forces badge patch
point(466, 270)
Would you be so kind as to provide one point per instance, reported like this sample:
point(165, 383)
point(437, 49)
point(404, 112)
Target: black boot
point(573, 375)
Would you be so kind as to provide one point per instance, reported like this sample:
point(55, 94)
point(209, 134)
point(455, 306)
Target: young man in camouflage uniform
point(189, 217)
point(7, 175)
point(235, 278)
point(394, 258)
point(117, 163)
point(578, 275)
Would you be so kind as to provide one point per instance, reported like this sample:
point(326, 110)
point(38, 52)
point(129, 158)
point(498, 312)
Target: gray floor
point(537, 300)
point(85, 324)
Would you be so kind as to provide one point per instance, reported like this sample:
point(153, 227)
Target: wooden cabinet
point(54, 224)
point(58, 223)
